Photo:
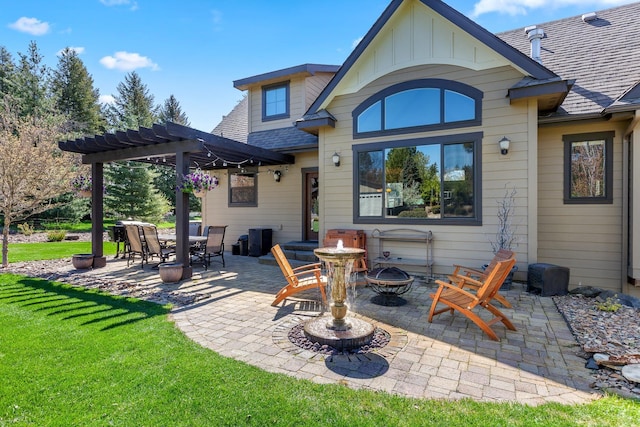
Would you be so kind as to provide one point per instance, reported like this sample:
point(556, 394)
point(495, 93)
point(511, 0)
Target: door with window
point(311, 220)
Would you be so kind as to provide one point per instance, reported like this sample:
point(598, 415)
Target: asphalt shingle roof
point(287, 140)
point(602, 56)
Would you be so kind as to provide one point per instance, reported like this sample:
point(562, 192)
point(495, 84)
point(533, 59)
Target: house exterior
point(416, 114)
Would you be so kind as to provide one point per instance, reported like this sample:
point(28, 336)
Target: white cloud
point(134, 4)
point(32, 26)
point(78, 50)
point(106, 99)
point(125, 61)
point(522, 7)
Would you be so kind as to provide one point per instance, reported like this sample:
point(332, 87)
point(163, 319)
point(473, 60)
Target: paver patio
point(450, 358)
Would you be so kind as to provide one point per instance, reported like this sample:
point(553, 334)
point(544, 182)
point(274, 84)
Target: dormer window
point(275, 101)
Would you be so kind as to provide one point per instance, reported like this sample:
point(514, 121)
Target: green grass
point(19, 252)
point(70, 356)
point(85, 227)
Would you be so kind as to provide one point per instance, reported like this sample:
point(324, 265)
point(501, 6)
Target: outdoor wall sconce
point(504, 145)
point(336, 159)
point(277, 175)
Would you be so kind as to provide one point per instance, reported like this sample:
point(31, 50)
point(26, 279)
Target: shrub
point(56, 235)
point(26, 229)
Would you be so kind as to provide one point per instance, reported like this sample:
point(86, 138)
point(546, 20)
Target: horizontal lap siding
point(452, 244)
point(586, 238)
point(279, 203)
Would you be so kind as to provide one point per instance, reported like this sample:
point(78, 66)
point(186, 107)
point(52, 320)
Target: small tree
point(33, 171)
point(505, 237)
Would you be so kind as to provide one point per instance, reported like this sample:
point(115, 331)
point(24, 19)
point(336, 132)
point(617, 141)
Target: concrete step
point(298, 253)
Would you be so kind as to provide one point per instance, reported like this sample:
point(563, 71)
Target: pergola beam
point(143, 151)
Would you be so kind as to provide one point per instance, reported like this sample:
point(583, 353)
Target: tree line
point(40, 106)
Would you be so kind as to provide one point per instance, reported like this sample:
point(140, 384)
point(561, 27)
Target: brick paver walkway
point(450, 358)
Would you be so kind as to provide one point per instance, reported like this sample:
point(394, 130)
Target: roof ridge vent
point(588, 17)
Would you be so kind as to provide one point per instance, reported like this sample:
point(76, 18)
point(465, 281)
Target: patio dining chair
point(465, 302)
point(153, 245)
point(298, 279)
point(134, 244)
point(213, 247)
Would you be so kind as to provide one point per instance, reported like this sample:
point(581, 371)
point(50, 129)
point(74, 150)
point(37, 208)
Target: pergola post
point(97, 214)
point(182, 216)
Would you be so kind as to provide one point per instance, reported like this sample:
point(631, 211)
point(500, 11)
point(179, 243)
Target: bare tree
point(33, 170)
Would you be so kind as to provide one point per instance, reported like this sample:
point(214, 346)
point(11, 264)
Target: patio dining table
point(193, 240)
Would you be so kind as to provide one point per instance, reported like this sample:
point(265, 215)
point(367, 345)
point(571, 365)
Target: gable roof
point(601, 55)
point(522, 61)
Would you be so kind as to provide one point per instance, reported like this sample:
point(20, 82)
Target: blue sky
point(195, 49)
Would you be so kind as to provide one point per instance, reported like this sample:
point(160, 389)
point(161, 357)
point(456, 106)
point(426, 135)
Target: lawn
point(70, 356)
point(19, 252)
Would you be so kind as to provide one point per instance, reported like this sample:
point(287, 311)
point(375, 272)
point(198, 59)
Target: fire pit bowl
point(389, 283)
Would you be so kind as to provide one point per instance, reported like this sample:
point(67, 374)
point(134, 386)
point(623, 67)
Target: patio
point(229, 311)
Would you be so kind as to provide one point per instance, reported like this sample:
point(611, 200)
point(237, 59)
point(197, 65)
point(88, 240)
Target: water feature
point(339, 330)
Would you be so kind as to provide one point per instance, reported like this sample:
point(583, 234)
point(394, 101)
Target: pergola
point(179, 146)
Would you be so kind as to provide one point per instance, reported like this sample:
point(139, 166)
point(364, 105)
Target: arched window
point(418, 105)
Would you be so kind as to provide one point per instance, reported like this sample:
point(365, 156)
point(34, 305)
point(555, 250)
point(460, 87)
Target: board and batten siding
point(468, 245)
point(279, 203)
point(586, 238)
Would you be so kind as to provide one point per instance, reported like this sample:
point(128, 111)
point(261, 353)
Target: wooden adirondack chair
point(456, 298)
point(462, 273)
point(298, 279)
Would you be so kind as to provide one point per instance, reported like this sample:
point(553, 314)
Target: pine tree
point(172, 112)
point(131, 193)
point(7, 74)
point(133, 106)
point(31, 84)
point(75, 96)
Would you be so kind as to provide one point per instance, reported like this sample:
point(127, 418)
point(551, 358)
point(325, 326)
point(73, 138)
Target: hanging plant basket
point(200, 194)
point(84, 193)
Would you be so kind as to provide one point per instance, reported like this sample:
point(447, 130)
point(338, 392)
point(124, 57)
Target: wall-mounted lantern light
point(336, 159)
point(277, 175)
point(504, 145)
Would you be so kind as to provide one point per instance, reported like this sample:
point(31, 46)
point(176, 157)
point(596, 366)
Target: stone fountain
point(339, 331)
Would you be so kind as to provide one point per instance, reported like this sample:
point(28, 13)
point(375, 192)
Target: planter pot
point(170, 272)
point(199, 194)
point(82, 261)
point(84, 193)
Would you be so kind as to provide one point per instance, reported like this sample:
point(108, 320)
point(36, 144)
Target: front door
point(311, 221)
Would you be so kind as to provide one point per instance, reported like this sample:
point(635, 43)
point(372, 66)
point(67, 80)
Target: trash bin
point(235, 249)
point(243, 241)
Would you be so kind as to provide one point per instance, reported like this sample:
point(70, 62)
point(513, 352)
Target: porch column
point(97, 214)
point(182, 216)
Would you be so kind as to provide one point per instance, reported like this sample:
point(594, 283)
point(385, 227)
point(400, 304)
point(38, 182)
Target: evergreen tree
point(172, 112)
point(7, 73)
point(75, 96)
point(31, 84)
point(131, 193)
point(133, 106)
